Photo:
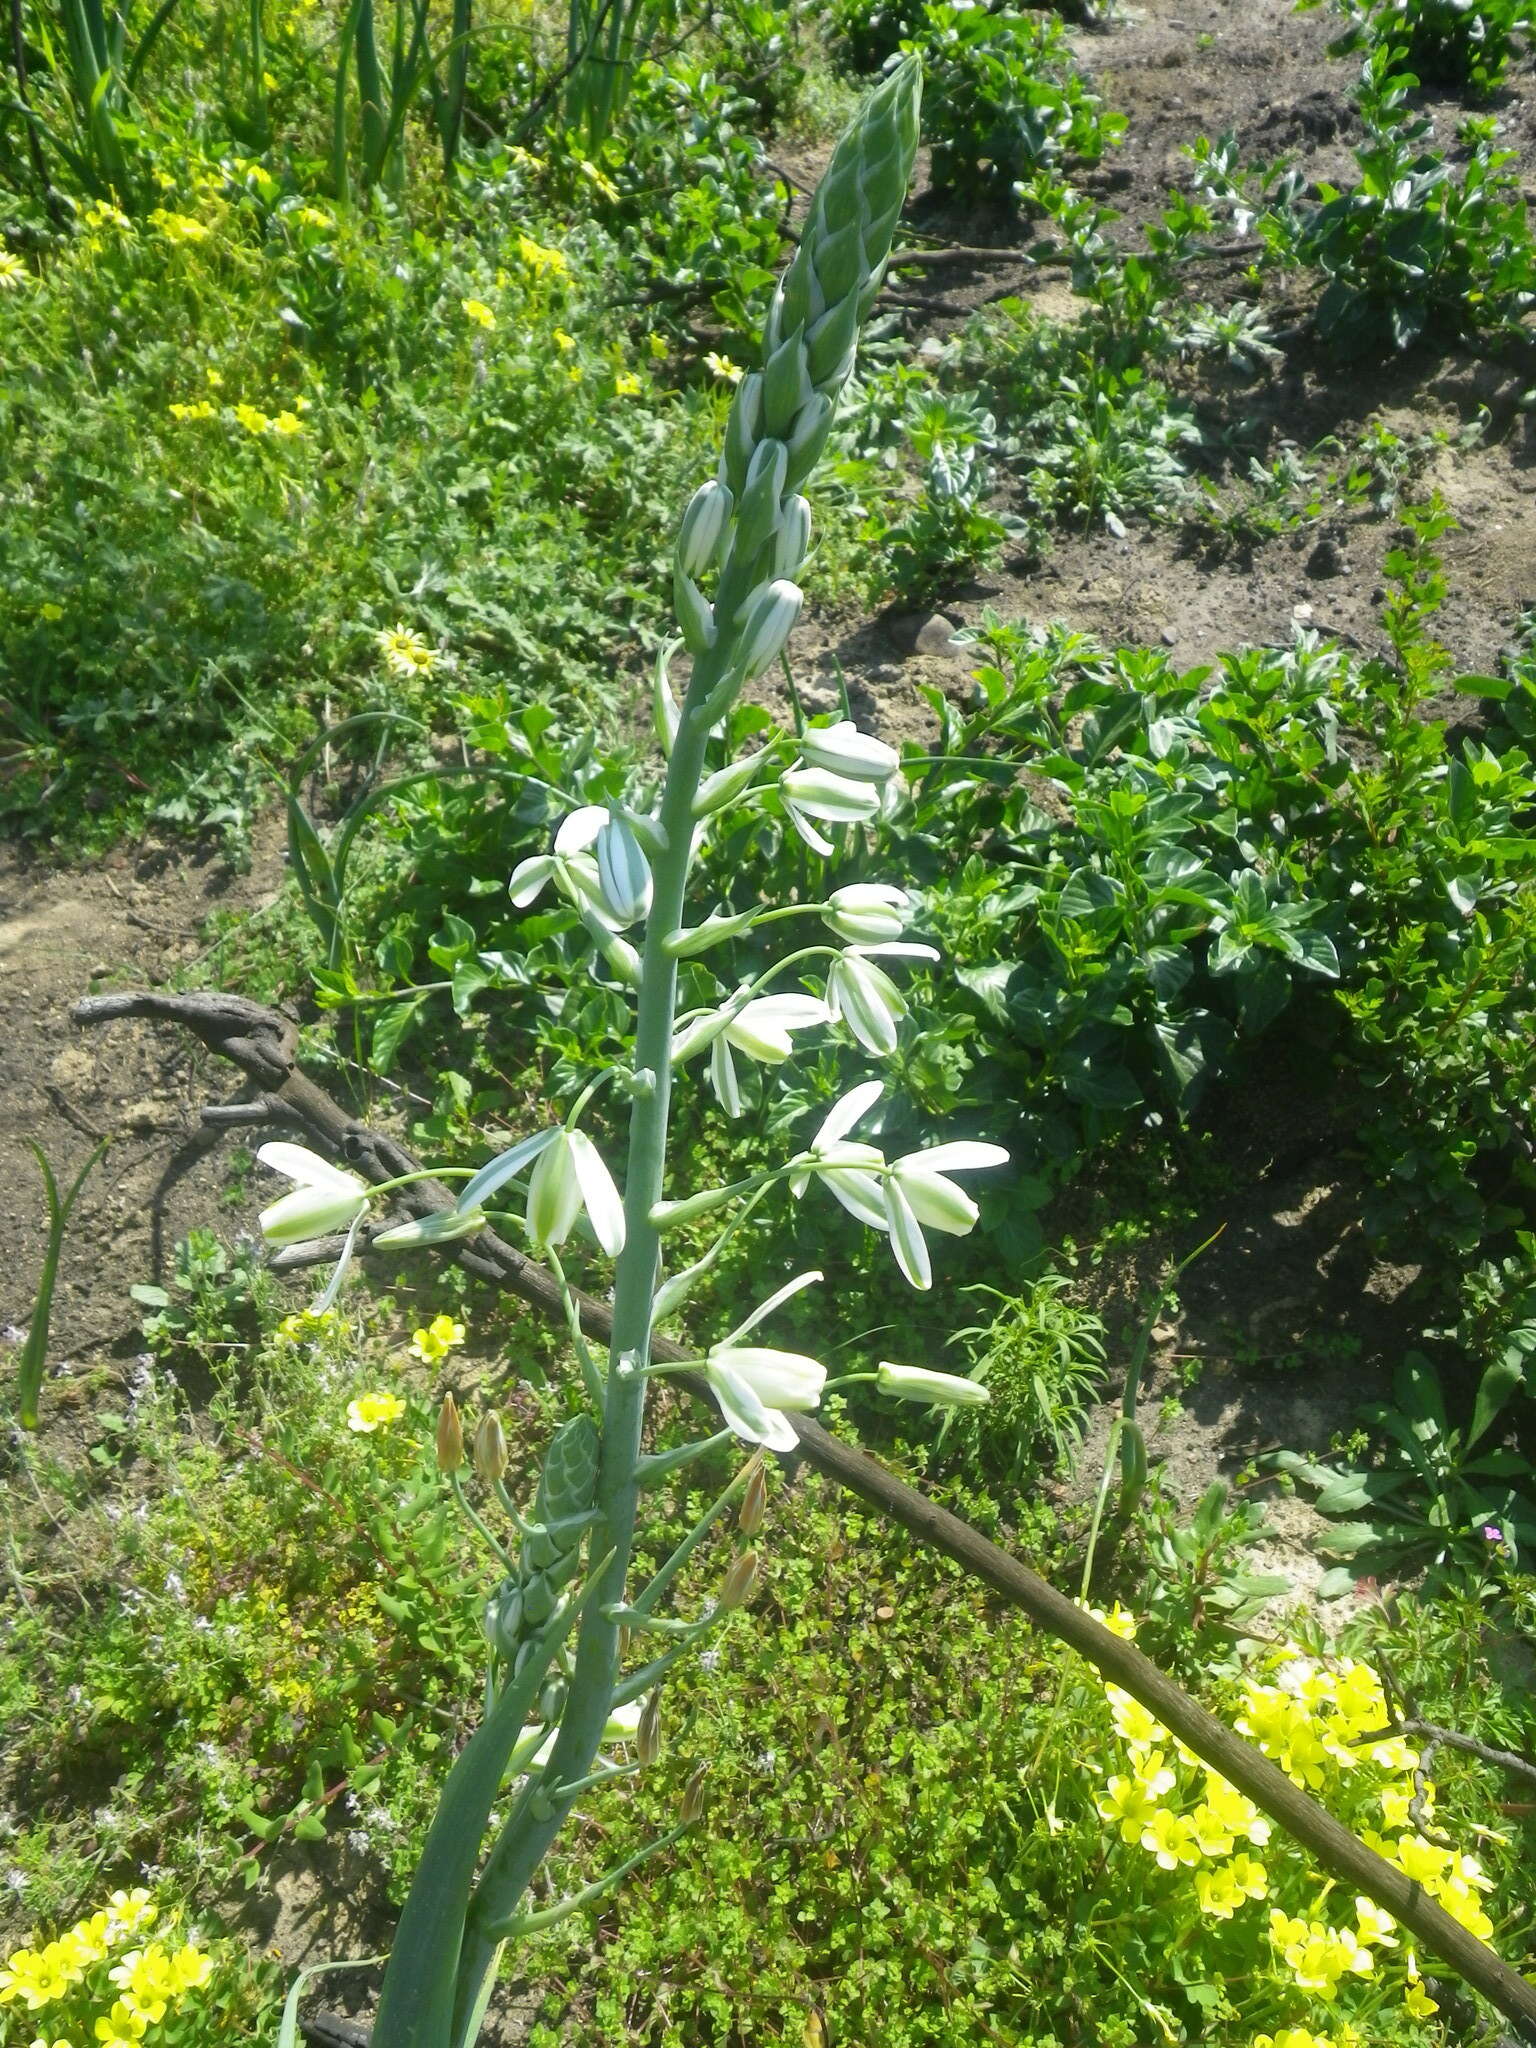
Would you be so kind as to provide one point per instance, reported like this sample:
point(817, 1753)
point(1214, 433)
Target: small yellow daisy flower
point(405, 653)
point(723, 368)
point(13, 273)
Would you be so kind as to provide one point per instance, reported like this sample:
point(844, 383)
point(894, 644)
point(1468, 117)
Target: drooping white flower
point(844, 751)
point(761, 1028)
point(842, 1164)
point(325, 1197)
point(570, 1176)
point(937, 1389)
point(867, 912)
point(754, 1383)
point(919, 1194)
point(812, 793)
point(864, 997)
point(571, 866)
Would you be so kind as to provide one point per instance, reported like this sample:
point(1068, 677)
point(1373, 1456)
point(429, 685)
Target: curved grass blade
point(34, 1352)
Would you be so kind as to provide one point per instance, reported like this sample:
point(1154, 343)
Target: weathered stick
point(262, 1044)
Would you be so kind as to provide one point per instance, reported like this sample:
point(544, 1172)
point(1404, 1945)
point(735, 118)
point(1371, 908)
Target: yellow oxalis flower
point(1131, 1803)
point(129, 1911)
point(479, 312)
point(1171, 1839)
point(1319, 1955)
point(197, 409)
point(121, 2027)
point(179, 227)
point(191, 1967)
point(541, 261)
point(441, 1336)
point(1133, 1723)
point(373, 1411)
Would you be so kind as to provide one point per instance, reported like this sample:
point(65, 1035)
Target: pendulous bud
point(740, 1578)
point(754, 1502)
point(691, 1807)
point(703, 528)
point(648, 1731)
point(769, 625)
point(490, 1447)
point(450, 1436)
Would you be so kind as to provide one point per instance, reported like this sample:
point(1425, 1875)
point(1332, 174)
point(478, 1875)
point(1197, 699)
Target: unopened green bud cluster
point(550, 1556)
point(750, 520)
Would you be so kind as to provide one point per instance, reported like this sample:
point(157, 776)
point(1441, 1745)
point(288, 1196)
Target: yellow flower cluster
point(1319, 1955)
point(434, 1343)
point(286, 423)
point(1321, 1726)
point(146, 1980)
point(179, 227)
point(1314, 1722)
point(374, 1411)
point(541, 261)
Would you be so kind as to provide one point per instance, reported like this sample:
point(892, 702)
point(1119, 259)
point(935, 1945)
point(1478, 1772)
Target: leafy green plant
point(1430, 1496)
point(1418, 243)
point(1467, 44)
point(1006, 98)
point(1041, 1358)
point(1197, 1582)
point(950, 529)
point(209, 1304)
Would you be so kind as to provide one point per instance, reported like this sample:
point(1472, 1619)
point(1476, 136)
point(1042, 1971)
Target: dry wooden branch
point(262, 1044)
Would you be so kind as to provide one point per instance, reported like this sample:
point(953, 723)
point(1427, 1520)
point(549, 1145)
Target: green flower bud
point(695, 614)
point(450, 1436)
point(703, 528)
point(937, 1389)
point(490, 1448)
point(769, 624)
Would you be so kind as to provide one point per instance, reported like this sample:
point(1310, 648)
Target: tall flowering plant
point(579, 1652)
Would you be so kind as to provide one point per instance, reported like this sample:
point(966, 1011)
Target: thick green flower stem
point(524, 1844)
